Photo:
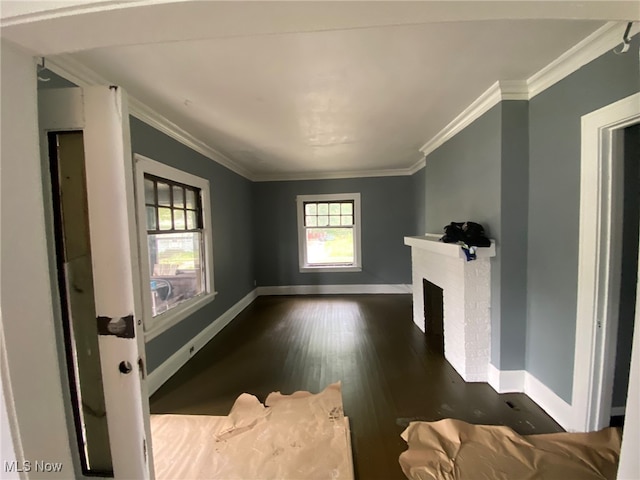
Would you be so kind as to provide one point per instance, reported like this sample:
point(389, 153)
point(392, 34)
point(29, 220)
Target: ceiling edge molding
point(289, 177)
point(83, 76)
point(491, 97)
point(419, 165)
point(599, 42)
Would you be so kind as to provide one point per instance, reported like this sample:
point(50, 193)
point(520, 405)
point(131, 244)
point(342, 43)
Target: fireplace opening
point(433, 315)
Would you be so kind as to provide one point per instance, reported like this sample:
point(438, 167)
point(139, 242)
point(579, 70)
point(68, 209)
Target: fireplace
point(466, 299)
point(433, 315)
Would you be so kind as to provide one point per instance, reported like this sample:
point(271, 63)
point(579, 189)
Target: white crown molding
point(499, 91)
point(83, 76)
point(599, 42)
point(285, 177)
point(419, 165)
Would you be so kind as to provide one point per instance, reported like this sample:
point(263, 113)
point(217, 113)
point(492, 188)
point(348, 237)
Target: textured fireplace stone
point(466, 296)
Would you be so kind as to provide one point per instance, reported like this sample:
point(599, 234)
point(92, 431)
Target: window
point(329, 233)
point(175, 243)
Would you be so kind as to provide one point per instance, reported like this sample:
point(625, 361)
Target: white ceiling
point(311, 88)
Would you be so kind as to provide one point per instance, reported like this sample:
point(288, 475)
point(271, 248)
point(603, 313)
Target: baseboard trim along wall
point(171, 365)
point(506, 381)
point(334, 289)
point(521, 381)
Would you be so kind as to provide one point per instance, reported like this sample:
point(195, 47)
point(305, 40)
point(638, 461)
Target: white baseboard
point(521, 381)
point(171, 365)
point(506, 381)
point(549, 401)
point(333, 289)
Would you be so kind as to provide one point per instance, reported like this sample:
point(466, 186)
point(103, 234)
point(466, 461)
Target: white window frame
point(356, 266)
point(154, 326)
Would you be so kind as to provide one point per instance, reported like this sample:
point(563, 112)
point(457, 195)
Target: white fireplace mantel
point(432, 243)
point(466, 292)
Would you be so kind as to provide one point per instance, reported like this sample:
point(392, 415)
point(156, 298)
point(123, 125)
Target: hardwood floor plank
point(390, 374)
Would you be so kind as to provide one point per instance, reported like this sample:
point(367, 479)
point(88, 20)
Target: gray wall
point(554, 199)
point(514, 202)
point(388, 214)
point(232, 234)
point(463, 182)
point(629, 271)
point(419, 183)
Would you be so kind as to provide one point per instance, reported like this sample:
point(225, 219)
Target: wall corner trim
point(521, 381)
point(170, 366)
point(506, 381)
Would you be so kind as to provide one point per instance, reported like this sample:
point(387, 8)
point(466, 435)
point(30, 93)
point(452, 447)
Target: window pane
point(330, 246)
point(334, 220)
point(164, 194)
point(323, 209)
point(191, 220)
point(323, 221)
point(311, 221)
point(178, 197)
point(347, 220)
point(334, 209)
point(346, 208)
point(151, 218)
point(178, 219)
point(310, 209)
point(176, 265)
point(191, 199)
point(164, 215)
point(149, 196)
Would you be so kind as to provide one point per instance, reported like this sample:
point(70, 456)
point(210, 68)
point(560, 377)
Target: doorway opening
point(600, 261)
point(628, 271)
point(77, 301)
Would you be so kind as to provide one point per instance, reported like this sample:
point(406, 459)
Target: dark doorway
point(433, 315)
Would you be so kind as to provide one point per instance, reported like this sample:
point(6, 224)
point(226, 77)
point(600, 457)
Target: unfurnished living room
point(223, 249)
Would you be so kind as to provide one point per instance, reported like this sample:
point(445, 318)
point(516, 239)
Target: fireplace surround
point(466, 300)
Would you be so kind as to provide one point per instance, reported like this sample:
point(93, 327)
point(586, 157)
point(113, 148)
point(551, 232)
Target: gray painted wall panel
point(463, 183)
point(554, 198)
point(419, 194)
point(513, 238)
point(388, 214)
point(232, 234)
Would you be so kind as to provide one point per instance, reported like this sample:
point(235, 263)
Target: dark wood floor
point(390, 375)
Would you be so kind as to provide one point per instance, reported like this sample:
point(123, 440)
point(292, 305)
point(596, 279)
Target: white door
point(101, 114)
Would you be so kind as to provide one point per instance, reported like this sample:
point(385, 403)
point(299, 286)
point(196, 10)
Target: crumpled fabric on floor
point(452, 450)
point(298, 436)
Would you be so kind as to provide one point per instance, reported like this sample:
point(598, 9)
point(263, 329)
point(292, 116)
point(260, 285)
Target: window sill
point(165, 321)
point(330, 268)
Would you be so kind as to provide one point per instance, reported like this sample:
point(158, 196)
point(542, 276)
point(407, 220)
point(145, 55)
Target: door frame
point(101, 113)
point(599, 261)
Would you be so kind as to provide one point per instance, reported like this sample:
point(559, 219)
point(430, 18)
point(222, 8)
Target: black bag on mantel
point(470, 233)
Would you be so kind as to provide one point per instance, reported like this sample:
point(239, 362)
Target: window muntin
point(329, 232)
point(175, 243)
